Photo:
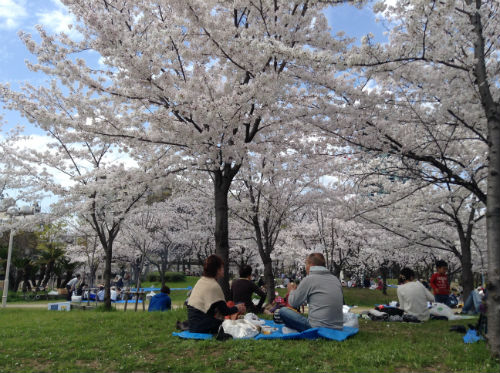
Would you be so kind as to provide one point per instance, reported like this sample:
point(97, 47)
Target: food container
point(266, 329)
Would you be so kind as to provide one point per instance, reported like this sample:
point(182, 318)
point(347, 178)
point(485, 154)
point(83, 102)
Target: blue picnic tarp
point(158, 289)
point(314, 333)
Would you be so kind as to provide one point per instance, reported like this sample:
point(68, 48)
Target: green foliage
point(50, 341)
point(169, 277)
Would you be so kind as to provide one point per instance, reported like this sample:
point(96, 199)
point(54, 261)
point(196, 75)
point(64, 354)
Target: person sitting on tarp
point(473, 302)
point(323, 293)
point(207, 305)
point(243, 288)
point(161, 301)
point(413, 296)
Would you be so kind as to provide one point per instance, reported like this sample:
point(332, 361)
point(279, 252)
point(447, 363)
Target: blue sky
point(23, 15)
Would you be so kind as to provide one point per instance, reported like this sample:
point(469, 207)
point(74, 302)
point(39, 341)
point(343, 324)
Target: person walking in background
point(439, 283)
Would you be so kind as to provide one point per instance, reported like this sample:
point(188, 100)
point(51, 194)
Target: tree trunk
point(467, 275)
point(93, 270)
point(492, 111)
point(266, 260)
point(48, 273)
point(107, 277)
point(222, 182)
point(383, 272)
point(336, 269)
point(493, 234)
point(163, 270)
point(269, 279)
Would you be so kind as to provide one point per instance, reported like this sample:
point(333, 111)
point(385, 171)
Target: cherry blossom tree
point(85, 249)
point(426, 216)
point(430, 96)
point(198, 75)
point(270, 192)
point(81, 171)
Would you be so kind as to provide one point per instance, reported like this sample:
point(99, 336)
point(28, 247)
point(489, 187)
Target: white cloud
point(58, 20)
point(12, 13)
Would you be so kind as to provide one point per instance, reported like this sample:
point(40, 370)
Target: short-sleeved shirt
point(440, 284)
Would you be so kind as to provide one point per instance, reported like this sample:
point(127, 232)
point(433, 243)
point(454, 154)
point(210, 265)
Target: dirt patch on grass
point(93, 364)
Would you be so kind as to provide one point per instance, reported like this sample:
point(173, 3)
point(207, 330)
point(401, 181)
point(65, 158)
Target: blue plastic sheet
point(158, 289)
point(314, 333)
point(471, 336)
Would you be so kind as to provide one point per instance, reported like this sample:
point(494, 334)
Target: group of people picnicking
point(320, 290)
point(78, 287)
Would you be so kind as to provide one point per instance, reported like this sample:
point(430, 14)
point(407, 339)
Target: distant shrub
point(169, 277)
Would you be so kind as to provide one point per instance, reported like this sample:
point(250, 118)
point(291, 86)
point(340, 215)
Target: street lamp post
point(7, 270)
point(14, 211)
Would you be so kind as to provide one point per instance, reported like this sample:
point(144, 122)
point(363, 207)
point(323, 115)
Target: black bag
point(391, 311)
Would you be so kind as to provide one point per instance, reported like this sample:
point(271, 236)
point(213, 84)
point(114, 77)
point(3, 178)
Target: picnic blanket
point(158, 289)
point(314, 333)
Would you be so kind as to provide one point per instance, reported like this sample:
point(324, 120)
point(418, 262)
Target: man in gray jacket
point(323, 293)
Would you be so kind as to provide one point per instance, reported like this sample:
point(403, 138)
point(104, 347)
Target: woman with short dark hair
point(243, 288)
point(207, 305)
point(413, 296)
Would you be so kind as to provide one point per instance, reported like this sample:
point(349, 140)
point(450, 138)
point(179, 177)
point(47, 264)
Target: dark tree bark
point(222, 181)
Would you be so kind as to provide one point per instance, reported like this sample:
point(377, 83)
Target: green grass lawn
point(82, 341)
point(352, 296)
point(363, 297)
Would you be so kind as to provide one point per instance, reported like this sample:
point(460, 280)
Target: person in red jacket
point(439, 283)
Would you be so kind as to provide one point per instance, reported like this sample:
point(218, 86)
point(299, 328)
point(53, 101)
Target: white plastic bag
point(351, 319)
point(441, 309)
point(254, 319)
point(240, 328)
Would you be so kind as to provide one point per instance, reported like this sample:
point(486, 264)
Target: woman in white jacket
point(413, 296)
